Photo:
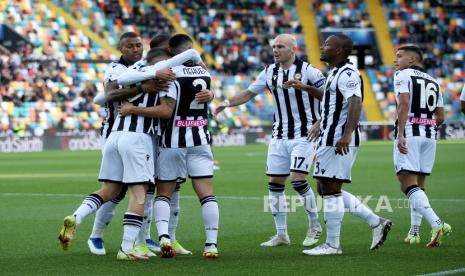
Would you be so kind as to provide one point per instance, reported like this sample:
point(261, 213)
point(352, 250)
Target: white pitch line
point(219, 197)
point(445, 272)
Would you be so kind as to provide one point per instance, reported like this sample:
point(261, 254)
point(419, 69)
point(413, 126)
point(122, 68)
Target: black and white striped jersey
point(135, 123)
point(294, 110)
point(425, 95)
point(343, 81)
point(188, 126)
point(113, 71)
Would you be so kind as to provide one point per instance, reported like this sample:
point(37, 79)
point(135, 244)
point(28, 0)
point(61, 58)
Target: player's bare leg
point(210, 213)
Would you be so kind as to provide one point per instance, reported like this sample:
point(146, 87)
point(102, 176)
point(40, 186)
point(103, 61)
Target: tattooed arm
point(164, 110)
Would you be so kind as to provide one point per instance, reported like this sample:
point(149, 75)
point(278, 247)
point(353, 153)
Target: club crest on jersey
point(298, 76)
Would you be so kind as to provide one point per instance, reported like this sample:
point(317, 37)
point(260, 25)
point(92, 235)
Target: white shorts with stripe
point(289, 155)
point(419, 158)
point(332, 166)
point(175, 164)
point(128, 158)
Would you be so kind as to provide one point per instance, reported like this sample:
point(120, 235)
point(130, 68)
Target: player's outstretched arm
point(236, 100)
point(113, 93)
point(160, 70)
point(164, 110)
point(100, 98)
point(353, 116)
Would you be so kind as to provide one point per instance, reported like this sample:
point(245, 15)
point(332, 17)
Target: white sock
point(174, 215)
point(308, 198)
point(90, 204)
point(358, 209)
point(131, 225)
point(103, 217)
point(148, 213)
point(277, 203)
point(420, 202)
point(211, 217)
point(162, 215)
point(333, 208)
point(415, 221)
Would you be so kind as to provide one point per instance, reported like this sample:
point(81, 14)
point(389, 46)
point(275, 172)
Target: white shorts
point(419, 158)
point(177, 164)
point(102, 142)
point(289, 155)
point(332, 166)
point(128, 158)
point(155, 154)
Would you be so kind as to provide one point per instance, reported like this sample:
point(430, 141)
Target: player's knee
point(121, 195)
point(329, 188)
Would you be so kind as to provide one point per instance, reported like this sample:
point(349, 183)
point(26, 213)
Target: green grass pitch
point(38, 189)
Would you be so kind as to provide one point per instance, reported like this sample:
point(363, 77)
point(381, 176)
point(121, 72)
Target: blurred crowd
point(52, 83)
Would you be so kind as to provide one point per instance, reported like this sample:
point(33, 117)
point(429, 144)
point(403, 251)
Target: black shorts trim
point(138, 183)
point(333, 178)
point(109, 180)
point(165, 181)
point(200, 176)
point(297, 171)
point(278, 175)
point(180, 180)
point(411, 172)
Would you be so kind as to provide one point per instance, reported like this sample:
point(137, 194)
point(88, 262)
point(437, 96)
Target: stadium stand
point(341, 14)
point(233, 31)
point(51, 84)
point(110, 18)
point(440, 31)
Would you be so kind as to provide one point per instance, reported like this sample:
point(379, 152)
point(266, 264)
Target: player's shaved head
point(345, 43)
point(288, 39)
point(414, 50)
point(127, 35)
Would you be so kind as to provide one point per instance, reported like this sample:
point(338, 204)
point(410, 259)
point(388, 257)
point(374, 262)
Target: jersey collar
point(339, 65)
point(418, 68)
point(123, 61)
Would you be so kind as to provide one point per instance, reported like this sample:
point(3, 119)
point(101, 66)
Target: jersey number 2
point(203, 85)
